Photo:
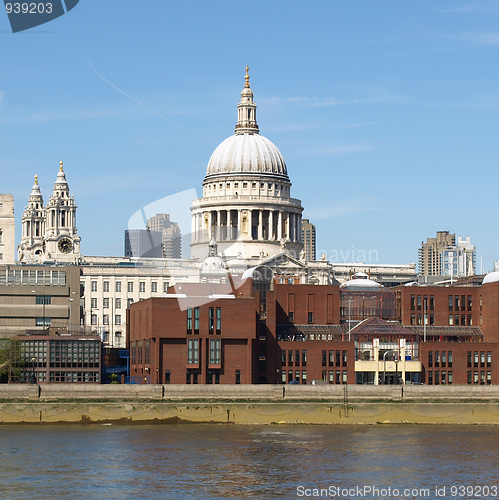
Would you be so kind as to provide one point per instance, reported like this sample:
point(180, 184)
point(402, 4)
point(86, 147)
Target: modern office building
point(57, 356)
point(7, 229)
point(430, 253)
point(460, 260)
point(36, 297)
point(143, 243)
point(308, 239)
point(171, 235)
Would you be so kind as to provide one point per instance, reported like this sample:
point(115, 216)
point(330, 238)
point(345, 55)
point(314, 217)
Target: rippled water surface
point(231, 461)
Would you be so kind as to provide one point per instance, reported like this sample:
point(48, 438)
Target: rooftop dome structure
point(491, 277)
point(361, 281)
point(246, 153)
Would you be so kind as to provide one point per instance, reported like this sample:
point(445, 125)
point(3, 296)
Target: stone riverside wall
point(248, 404)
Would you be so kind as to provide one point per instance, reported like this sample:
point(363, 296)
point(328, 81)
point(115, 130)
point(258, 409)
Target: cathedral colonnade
point(246, 223)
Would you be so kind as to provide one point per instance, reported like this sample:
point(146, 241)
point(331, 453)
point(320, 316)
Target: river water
point(209, 461)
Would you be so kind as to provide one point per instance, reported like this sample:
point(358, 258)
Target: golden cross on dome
point(60, 167)
point(36, 179)
point(246, 78)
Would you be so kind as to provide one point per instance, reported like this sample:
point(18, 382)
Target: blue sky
point(387, 113)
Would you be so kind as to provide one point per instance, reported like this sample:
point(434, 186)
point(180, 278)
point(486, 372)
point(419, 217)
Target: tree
point(12, 361)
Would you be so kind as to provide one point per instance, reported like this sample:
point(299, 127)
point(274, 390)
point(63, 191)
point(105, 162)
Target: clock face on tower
point(65, 245)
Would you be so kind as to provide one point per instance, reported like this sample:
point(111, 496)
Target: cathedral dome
point(246, 154)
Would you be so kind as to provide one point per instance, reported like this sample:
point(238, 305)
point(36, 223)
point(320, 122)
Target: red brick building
point(266, 332)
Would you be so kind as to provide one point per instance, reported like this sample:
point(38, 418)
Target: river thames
point(206, 461)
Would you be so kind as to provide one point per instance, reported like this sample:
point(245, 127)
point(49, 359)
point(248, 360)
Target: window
point(450, 302)
point(238, 374)
point(489, 359)
point(290, 357)
point(43, 299)
point(142, 286)
point(430, 359)
point(154, 286)
point(117, 319)
point(94, 286)
point(189, 320)
point(449, 360)
point(93, 303)
point(331, 358)
point(469, 359)
point(331, 376)
point(94, 319)
point(105, 303)
point(324, 358)
point(1, 236)
point(196, 320)
point(413, 302)
point(310, 317)
point(166, 284)
point(283, 358)
point(117, 286)
point(43, 322)
point(129, 302)
point(304, 376)
point(106, 286)
point(430, 378)
point(297, 358)
point(130, 286)
point(432, 302)
point(482, 358)
point(475, 358)
point(117, 303)
point(437, 359)
point(344, 358)
point(291, 317)
point(219, 320)
point(215, 351)
point(470, 302)
point(211, 320)
point(444, 359)
point(304, 358)
point(449, 377)
point(105, 319)
point(451, 319)
point(192, 351)
point(344, 377)
point(419, 303)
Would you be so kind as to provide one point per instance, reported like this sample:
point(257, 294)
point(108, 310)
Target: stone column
point(279, 225)
point(260, 225)
point(238, 224)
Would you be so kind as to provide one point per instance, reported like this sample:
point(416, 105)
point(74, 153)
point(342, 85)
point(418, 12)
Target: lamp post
point(146, 369)
point(33, 376)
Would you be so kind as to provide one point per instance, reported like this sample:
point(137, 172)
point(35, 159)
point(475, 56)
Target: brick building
point(262, 331)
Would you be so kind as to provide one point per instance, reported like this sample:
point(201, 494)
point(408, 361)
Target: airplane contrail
point(134, 99)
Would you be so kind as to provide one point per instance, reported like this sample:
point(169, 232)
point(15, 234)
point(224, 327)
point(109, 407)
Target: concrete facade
point(7, 229)
point(38, 297)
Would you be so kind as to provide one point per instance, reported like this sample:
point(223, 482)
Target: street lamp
point(33, 376)
point(146, 369)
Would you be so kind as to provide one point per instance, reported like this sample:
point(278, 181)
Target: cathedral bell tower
point(62, 241)
point(49, 233)
point(32, 245)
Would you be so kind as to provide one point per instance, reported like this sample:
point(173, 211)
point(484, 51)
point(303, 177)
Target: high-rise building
point(171, 236)
point(430, 253)
point(143, 243)
point(459, 260)
point(7, 229)
point(308, 239)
